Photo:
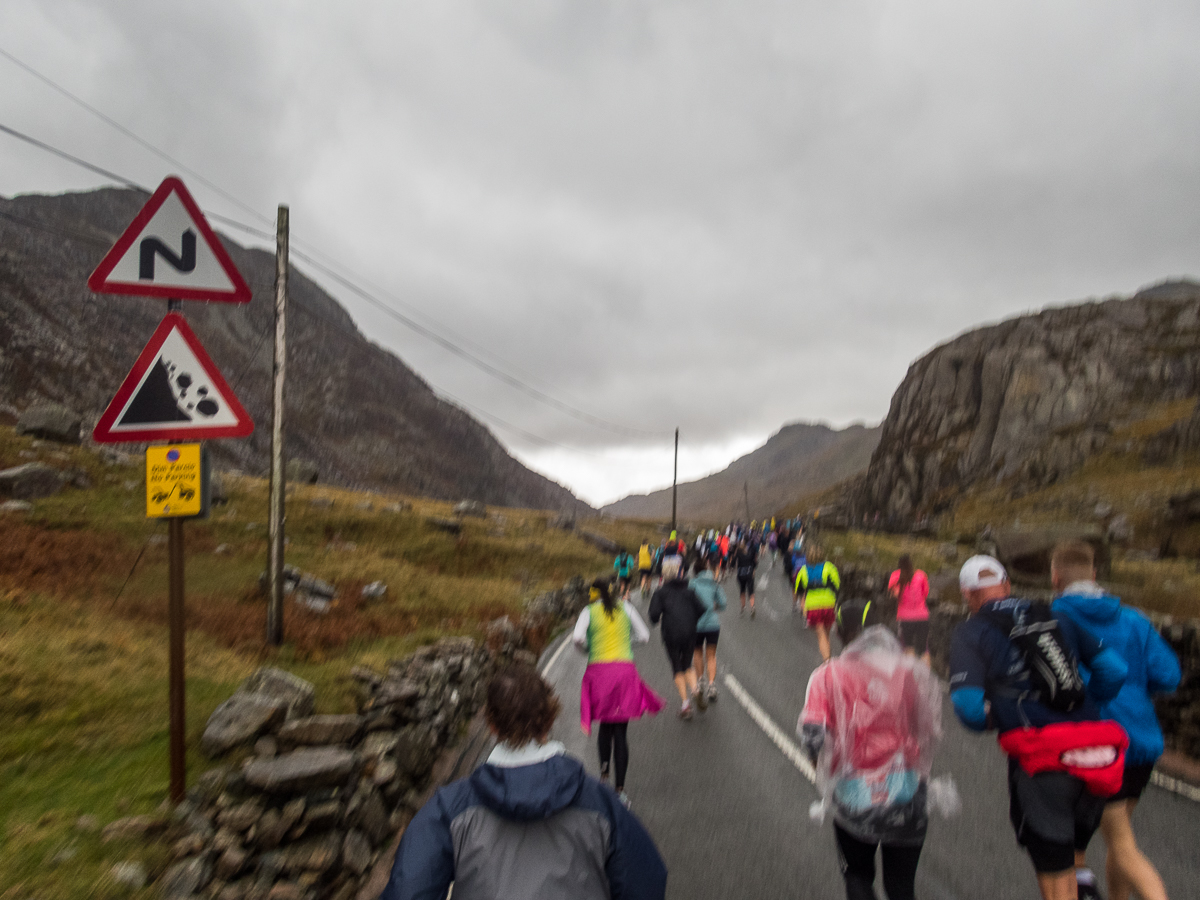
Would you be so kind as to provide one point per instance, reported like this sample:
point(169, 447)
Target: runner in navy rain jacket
point(983, 661)
point(540, 831)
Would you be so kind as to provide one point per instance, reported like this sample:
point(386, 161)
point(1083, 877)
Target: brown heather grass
point(83, 637)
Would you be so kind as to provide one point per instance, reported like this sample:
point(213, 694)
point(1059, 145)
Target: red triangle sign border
point(103, 432)
point(98, 280)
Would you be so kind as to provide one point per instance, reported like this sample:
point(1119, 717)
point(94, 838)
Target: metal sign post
point(174, 392)
point(177, 702)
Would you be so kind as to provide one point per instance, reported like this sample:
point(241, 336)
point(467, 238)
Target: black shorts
point(915, 635)
point(1133, 783)
point(1053, 815)
point(645, 573)
point(707, 637)
point(680, 655)
point(624, 580)
point(746, 584)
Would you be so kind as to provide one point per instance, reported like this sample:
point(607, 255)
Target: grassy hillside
point(83, 648)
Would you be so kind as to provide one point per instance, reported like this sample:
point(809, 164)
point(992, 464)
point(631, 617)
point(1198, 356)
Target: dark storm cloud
point(718, 215)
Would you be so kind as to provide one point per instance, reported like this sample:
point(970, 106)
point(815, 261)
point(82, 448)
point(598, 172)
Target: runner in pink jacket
point(911, 588)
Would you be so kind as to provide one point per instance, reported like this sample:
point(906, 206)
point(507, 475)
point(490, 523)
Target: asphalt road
point(729, 808)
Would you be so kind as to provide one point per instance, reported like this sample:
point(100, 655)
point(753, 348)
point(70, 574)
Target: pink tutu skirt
point(614, 692)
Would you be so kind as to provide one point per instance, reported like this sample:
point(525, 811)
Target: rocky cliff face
point(1028, 400)
point(354, 409)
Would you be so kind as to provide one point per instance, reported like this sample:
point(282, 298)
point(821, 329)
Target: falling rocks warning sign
point(173, 392)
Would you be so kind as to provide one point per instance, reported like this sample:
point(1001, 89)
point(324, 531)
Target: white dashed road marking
point(777, 735)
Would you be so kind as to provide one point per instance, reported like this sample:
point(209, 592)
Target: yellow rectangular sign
point(173, 481)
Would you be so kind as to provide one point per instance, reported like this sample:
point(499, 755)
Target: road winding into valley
point(727, 795)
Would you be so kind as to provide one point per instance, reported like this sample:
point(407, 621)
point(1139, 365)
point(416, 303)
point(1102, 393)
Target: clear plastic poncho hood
point(882, 714)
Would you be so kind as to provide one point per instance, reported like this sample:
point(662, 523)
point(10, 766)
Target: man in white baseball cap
point(979, 574)
point(1054, 806)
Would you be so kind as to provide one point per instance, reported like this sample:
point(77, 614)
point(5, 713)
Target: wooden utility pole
point(675, 484)
point(275, 530)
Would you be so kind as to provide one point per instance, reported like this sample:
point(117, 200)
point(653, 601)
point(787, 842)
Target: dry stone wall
point(304, 806)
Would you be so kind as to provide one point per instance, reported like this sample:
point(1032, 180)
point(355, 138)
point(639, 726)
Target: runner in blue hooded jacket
point(1153, 669)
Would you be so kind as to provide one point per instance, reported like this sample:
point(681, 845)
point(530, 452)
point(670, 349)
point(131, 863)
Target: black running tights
point(858, 867)
point(613, 743)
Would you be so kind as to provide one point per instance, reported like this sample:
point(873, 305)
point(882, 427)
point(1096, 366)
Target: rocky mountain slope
point(355, 410)
point(1028, 401)
point(798, 459)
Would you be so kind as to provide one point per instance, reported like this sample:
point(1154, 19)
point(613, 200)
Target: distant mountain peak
point(800, 458)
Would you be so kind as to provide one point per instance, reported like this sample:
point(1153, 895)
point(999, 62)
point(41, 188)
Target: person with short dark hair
point(708, 628)
point(1153, 669)
point(745, 560)
point(528, 823)
point(679, 609)
point(1062, 762)
point(910, 587)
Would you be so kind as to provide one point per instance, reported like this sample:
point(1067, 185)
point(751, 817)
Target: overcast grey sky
point(718, 214)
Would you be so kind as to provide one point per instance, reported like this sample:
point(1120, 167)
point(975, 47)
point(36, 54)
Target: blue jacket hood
point(529, 793)
point(1096, 609)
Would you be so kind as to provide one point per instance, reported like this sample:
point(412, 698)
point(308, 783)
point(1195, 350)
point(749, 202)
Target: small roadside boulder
point(51, 422)
point(316, 730)
point(442, 524)
point(471, 508)
point(186, 878)
point(31, 481)
point(303, 770)
point(241, 719)
point(301, 471)
point(132, 827)
point(277, 684)
point(374, 591)
point(131, 874)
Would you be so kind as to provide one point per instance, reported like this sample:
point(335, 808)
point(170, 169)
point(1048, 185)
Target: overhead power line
point(338, 328)
point(424, 330)
point(49, 82)
point(407, 321)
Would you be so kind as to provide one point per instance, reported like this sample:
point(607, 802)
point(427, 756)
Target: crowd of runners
point(1068, 687)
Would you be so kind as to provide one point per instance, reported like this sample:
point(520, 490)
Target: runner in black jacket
point(679, 608)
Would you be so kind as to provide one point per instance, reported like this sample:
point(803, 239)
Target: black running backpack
point(1054, 677)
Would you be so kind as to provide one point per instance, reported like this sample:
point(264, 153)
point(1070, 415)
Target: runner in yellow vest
point(645, 566)
point(817, 586)
point(612, 692)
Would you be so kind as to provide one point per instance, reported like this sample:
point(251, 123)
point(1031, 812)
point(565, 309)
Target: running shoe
point(712, 693)
point(1089, 891)
point(624, 798)
point(701, 698)
point(753, 612)
point(685, 711)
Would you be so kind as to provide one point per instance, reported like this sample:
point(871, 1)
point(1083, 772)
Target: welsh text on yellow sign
point(173, 481)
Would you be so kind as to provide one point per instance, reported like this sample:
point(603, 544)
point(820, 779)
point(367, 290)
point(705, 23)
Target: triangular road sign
point(174, 392)
point(169, 250)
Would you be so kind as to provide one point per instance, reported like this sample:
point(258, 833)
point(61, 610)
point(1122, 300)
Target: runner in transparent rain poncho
point(871, 722)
